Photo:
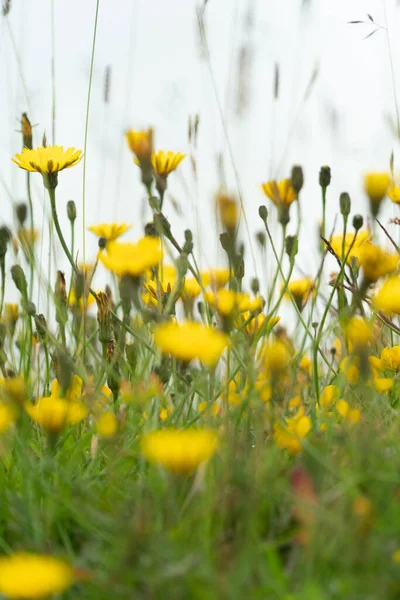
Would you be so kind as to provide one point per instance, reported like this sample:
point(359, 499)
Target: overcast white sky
point(160, 76)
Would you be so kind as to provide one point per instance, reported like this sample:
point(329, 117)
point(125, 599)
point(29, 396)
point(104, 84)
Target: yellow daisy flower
point(24, 575)
point(54, 413)
point(109, 231)
point(191, 340)
point(132, 259)
point(281, 193)
point(180, 452)
point(48, 161)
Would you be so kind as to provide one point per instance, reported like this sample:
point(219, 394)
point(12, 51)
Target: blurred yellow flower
point(382, 385)
point(55, 413)
point(394, 193)
point(350, 367)
point(301, 290)
point(191, 340)
point(132, 259)
point(387, 298)
point(228, 302)
point(376, 185)
point(289, 435)
point(228, 210)
point(218, 278)
point(24, 575)
point(8, 416)
point(106, 425)
point(74, 303)
point(109, 231)
point(179, 451)
point(376, 262)
point(351, 415)
point(281, 193)
point(336, 242)
point(207, 410)
point(358, 331)
point(141, 143)
point(276, 356)
point(328, 397)
point(390, 358)
point(191, 288)
point(72, 394)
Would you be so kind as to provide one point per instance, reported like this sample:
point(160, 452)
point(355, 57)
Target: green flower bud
point(325, 176)
point(358, 222)
point(297, 178)
point(345, 204)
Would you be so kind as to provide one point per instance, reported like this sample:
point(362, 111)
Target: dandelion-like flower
point(180, 452)
point(53, 414)
point(282, 195)
point(109, 231)
point(191, 340)
point(132, 259)
point(24, 575)
point(166, 162)
point(48, 161)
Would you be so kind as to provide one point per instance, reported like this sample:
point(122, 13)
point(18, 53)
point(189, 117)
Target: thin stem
point(30, 238)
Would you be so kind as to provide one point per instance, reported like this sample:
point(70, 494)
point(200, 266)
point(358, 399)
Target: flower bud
point(297, 178)
point(345, 204)
point(263, 212)
point(150, 230)
point(188, 245)
point(21, 210)
point(103, 318)
point(261, 238)
point(18, 277)
point(325, 176)
point(71, 210)
point(255, 285)
point(41, 327)
point(102, 243)
point(358, 222)
point(291, 246)
point(60, 297)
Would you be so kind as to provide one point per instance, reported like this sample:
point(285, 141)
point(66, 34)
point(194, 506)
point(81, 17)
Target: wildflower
point(53, 414)
point(218, 278)
point(180, 452)
point(8, 416)
point(396, 556)
point(276, 356)
point(48, 162)
point(191, 340)
point(351, 415)
point(228, 302)
point(394, 193)
point(263, 387)
point(376, 262)
point(390, 358)
point(289, 436)
point(376, 187)
point(228, 211)
point(24, 575)
point(132, 259)
point(387, 299)
point(191, 288)
point(73, 393)
point(106, 425)
point(140, 143)
point(80, 303)
point(282, 195)
point(27, 237)
point(13, 389)
point(109, 231)
point(355, 244)
point(350, 366)
point(207, 410)
point(165, 412)
point(328, 397)
point(301, 290)
point(358, 331)
point(165, 162)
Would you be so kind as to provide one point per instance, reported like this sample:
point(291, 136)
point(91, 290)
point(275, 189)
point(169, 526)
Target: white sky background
point(159, 76)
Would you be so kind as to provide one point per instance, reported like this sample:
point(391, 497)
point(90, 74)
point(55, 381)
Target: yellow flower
point(394, 193)
point(281, 193)
point(55, 413)
point(8, 416)
point(228, 302)
point(109, 231)
point(351, 415)
point(106, 425)
point(387, 299)
point(165, 412)
point(27, 237)
point(191, 288)
point(180, 452)
point(166, 162)
point(336, 242)
point(396, 556)
point(205, 409)
point(74, 303)
point(11, 313)
point(328, 397)
point(276, 356)
point(376, 186)
point(289, 436)
point(24, 575)
point(350, 368)
point(72, 394)
point(218, 278)
point(228, 211)
point(300, 290)
point(140, 143)
point(390, 358)
point(48, 161)
point(358, 331)
point(376, 262)
point(191, 340)
point(132, 259)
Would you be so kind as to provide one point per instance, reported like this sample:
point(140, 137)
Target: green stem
point(30, 237)
point(278, 267)
point(3, 282)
